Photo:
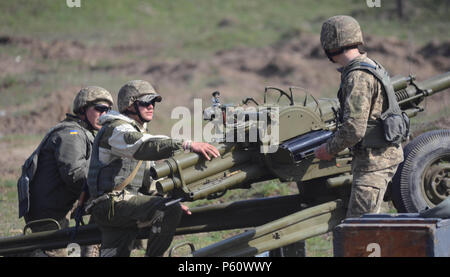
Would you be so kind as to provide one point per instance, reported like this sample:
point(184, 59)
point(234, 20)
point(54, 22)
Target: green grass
point(320, 246)
point(181, 29)
point(187, 27)
point(427, 121)
point(10, 222)
point(19, 140)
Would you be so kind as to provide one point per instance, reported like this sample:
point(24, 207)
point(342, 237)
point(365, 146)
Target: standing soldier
point(119, 204)
point(53, 176)
point(366, 98)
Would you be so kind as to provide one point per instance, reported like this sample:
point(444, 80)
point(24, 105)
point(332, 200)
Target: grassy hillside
point(185, 27)
point(171, 30)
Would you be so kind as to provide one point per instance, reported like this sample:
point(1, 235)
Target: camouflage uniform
point(362, 99)
point(120, 214)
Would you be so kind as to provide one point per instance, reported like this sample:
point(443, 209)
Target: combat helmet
point(133, 91)
point(340, 32)
point(89, 95)
point(136, 90)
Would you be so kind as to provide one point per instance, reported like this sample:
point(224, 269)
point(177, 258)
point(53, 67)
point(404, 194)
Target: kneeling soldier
point(117, 177)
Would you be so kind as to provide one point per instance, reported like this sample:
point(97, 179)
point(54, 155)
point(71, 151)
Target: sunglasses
point(102, 108)
point(146, 103)
point(330, 55)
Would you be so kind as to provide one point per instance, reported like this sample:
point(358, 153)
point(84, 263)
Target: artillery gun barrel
point(424, 88)
point(400, 82)
point(301, 225)
point(239, 177)
point(437, 83)
point(183, 160)
point(194, 173)
point(55, 239)
point(252, 212)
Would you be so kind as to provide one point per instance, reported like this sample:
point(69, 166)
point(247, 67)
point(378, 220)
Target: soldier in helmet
point(121, 203)
point(63, 161)
point(364, 100)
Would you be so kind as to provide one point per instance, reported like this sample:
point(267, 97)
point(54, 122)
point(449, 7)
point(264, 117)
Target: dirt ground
point(296, 60)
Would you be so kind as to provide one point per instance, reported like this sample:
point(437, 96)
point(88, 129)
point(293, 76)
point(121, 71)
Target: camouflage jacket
point(118, 147)
point(362, 99)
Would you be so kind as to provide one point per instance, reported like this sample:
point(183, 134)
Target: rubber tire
point(407, 193)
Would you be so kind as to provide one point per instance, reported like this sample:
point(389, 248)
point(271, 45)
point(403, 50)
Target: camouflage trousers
point(121, 220)
point(368, 188)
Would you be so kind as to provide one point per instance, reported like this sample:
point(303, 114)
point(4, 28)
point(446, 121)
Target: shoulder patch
point(73, 132)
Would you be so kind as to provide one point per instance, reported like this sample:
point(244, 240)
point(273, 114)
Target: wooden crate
point(392, 235)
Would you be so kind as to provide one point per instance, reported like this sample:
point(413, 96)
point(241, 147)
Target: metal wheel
point(436, 183)
point(423, 179)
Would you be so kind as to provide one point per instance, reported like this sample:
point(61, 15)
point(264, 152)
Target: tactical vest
point(103, 178)
point(392, 127)
point(30, 165)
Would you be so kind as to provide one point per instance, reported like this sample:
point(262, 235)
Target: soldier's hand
point(322, 154)
point(206, 149)
point(186, 209)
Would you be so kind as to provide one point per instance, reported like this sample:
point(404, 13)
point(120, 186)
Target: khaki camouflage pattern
point(368, 190)
point(125, 212)
point(120, 221)
point(132, 90)
point(364, 99)
point(340, 31)
point(90, 95)
point(126, 138)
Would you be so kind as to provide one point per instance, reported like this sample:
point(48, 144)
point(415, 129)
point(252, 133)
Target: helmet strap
point(90, 127)
point(85, 119)
point(330, 57)
point(137, 112)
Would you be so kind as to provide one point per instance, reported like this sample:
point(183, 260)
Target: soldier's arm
point(70, 155)
point(125, 141)
point(358, 91)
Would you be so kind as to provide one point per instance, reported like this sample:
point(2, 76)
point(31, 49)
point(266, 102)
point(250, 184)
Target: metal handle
point(191, 245)
point(282, 92)
point(248, 99)
point(50, 220)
